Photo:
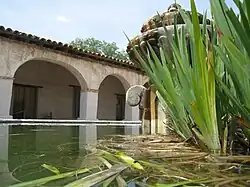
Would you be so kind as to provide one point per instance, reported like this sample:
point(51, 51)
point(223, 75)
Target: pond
point(25, 148)
point(28, 151)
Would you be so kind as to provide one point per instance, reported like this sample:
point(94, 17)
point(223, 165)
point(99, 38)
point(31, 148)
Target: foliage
point(205, 89)
point(45, 180)
point(186, 82)
point(167, 164)
point(233, 50)
point(98, 46)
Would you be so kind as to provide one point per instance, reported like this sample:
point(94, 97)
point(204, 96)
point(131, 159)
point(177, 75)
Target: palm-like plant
point(206, 83)
point(185, 80)
point(233, 50)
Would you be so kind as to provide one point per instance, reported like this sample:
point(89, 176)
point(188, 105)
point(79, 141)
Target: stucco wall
point(161, 127)
point(5, 97)
point(55, 94)
point(89, 73)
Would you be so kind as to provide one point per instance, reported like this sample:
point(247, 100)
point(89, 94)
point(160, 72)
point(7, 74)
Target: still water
point(25, 148)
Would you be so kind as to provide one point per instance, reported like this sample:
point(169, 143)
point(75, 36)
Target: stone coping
point(49, 122)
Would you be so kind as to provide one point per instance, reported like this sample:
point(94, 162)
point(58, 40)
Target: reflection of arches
point(26, 143)
point(46, 90)
point(111, 98)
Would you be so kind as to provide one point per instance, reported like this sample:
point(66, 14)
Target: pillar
point(6, 85)
point(132, 114)
point(161, 118)
point(88, 105)
point(88, 111)
point(153, 111)
point(146, 116)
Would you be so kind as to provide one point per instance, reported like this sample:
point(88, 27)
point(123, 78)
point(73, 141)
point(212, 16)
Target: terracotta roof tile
point(59, 46)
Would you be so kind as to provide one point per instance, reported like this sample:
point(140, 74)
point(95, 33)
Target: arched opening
point(111, 105)
point(45, 90)
point(111, 99)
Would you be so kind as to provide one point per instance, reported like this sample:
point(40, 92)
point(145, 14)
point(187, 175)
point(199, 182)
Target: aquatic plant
point(185, 80)
point(233, 50)
point(190, 63)
point(151, 161)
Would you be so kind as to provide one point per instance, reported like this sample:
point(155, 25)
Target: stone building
point(43, 79)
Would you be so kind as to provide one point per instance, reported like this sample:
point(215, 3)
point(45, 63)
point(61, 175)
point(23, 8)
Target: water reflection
point(32, 146)
point(25, 148)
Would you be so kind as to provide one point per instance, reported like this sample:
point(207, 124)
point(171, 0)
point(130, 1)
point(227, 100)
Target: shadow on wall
point(111, 104)
point(45, 90)
point(111, 99)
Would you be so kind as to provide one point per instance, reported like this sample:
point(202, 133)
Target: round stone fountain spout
point(135, 96)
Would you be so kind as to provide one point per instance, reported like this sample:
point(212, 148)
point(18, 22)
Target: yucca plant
point(233, 49)
point(234, 37)
point(185, 81)
point(160, 74)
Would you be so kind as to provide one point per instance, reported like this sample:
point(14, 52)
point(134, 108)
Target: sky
point(64, 20)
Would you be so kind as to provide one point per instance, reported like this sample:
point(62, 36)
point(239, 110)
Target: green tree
point(103, 47)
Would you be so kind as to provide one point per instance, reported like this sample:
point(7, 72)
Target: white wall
point(161, 128)
point(89, 72)
point(5, 97)
point(56, 95)
point(107, 98)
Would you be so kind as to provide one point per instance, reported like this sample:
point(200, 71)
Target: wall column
point(88, 105)
point(6, 84)
point(88, 111)
point(132, 114)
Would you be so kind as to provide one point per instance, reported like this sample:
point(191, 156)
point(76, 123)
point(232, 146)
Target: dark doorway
point(76, 101)
point(24, 101)
point(120, 106)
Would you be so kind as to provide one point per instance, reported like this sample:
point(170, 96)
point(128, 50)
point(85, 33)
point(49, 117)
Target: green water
point(24, 149)
point(31, 146)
